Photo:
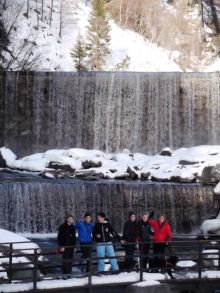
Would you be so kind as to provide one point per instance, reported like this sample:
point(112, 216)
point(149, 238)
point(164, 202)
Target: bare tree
point(42, 10)
point(4, 5)
point(61, 9)
point(15, 57)
point(37, 12)
point(28, 8)
point(51, 11)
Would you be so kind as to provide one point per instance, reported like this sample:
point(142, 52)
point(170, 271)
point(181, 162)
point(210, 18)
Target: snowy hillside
point(54, 37)
point(46, 31)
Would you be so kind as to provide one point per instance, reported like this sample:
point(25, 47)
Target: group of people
point(101, 232)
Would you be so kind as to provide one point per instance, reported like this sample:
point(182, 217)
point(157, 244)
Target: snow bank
point(7, 236)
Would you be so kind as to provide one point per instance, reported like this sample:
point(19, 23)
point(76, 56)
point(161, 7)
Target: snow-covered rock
point(8, 155)
point(210, 227)
point(217, 189)
point(181, 165)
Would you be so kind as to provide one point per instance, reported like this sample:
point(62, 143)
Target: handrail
point(197, 254)
point(188, 236)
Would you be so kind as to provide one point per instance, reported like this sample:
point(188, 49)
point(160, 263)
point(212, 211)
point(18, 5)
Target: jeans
point(106, 249)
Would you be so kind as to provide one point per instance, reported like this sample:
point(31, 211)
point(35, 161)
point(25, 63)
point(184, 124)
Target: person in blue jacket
point(84, 229)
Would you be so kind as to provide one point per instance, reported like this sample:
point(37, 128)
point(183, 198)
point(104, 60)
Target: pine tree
point(79, 55)
point(98, 36)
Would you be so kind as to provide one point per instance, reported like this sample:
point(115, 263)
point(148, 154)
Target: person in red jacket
point(162, 234)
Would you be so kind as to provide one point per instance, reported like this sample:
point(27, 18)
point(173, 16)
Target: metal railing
point(204, 253)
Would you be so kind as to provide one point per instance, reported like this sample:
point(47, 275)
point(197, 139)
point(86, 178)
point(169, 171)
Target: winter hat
point(101, 214)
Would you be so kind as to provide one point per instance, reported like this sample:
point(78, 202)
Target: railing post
point(90, 269)
point(200, 261)
point(218, 255)
point(10, 262)
point(35, 270)
point(141, 261)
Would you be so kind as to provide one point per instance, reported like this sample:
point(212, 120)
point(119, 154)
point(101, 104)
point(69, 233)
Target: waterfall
point(39, 206)
point(108, 110)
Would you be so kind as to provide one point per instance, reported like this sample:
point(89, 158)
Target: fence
point(205, 255)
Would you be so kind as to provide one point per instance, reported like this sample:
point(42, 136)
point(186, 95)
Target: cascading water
point(108, 110)
point(38, 205)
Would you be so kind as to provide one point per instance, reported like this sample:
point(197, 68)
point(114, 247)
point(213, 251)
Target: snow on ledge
point(180, 165)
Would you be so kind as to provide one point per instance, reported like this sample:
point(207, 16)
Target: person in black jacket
point(102, 234)
point(67, 237)
point(130, 237)
point(145, 232)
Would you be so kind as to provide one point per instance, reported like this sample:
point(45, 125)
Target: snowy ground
point(74, 282)
point(149, 279)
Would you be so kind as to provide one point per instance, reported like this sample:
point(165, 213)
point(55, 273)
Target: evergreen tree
point(98, 36)
point(79, 55)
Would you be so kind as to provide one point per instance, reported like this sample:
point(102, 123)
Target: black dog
point(165, 266)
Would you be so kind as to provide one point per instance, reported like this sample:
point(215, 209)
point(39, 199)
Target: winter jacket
point(84, 231)
point(105, 230)
point(130, 231)
point(144, 231)
point(66, 235)
point(162, 232)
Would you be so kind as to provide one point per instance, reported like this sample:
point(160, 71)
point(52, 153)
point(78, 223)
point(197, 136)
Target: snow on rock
point(78, 153)
point(217, 189)
point(199, 163)
point(8, 155)
point(61, 157)
point(31, 165)
point(210, 227)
